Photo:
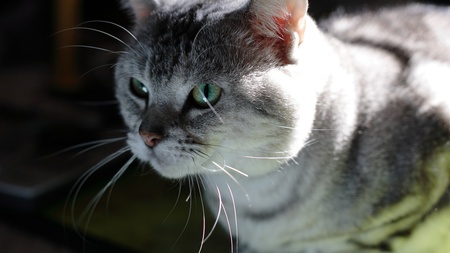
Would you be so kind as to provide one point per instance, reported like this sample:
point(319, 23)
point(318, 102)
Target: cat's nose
point(150, 139)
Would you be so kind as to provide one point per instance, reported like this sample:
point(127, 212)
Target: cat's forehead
point(180, 44)
point(203, 8)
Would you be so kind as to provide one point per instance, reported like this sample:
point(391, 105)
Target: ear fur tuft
point(280, 18)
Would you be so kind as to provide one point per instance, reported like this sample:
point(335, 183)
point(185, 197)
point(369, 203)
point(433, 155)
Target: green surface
point(142, 214)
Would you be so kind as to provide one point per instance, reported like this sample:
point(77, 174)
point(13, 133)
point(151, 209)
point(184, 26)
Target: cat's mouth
point(171, 158)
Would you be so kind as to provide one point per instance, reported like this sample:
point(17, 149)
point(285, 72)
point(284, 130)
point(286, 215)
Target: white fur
point(432, 79)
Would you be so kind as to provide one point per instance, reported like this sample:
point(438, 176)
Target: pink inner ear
point(282, 20)
point(282, 24)
point(277, 35)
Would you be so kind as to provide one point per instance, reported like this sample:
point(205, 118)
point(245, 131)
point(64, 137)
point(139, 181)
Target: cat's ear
point(140, 9)
point(280, 18)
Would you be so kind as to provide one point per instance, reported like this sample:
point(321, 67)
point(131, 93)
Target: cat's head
point(213, 87)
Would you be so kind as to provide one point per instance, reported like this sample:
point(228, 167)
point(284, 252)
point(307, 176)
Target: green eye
point(206, 94)
point(138, 88)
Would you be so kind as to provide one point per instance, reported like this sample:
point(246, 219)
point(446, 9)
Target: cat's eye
point(206, 94)
point(138, 88)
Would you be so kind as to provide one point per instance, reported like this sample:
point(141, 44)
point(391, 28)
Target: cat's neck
point(324, 67)
point(330, 68)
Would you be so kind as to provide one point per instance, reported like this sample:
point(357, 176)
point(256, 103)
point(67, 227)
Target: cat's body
point(316, 143)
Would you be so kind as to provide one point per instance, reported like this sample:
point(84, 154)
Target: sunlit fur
point(323, 142)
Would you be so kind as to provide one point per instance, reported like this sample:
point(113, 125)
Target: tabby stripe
point(401, 54)
point(135, 106)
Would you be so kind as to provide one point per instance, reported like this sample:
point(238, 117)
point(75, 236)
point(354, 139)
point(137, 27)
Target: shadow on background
point(55, 95)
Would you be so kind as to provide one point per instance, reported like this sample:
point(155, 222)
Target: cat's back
point(416, 29)
point(406, 48)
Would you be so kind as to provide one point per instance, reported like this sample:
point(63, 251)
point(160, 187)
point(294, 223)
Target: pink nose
point(150, 139)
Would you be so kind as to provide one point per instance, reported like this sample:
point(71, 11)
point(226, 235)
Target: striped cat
point(305, 138)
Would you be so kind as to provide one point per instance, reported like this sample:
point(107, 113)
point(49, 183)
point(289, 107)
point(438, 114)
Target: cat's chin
point(169, 162)
point(172, 165)
point(167, 167)
point(183, 169)
point(173, 172)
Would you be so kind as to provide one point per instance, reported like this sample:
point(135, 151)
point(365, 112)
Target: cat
point(306, 137)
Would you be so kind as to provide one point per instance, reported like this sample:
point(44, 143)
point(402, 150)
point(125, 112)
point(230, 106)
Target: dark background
point(53, 96)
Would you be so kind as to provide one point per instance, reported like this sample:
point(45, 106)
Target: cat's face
point(202, 96)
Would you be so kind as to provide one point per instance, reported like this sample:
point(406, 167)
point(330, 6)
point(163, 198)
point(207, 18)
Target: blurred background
point(56, 92)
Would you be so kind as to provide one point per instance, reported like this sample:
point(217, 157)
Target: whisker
point(317, 129)
point(143, 169)
point(198, 33)
point(247, 196)
point(212, 108)
point(268, 158)
point(98, 31)
point(117, 176)
point(110, 23)
point(226, 172)
point(219, 212)
point(236, 170)
point(314, 129)
point(234, 180)
point(287, 127)
point(80, 182)
point(99, 67)
point(203, 218)
point(96, 144)
point(200, 153)
point(205, 26)
point(202, 182)
point(189, 198)
point(195, 152)
point(90, 207)
point(117, 25)
point(241, 150)
point(203, 153)
point(100, 144)
point(96, 48)
point(229, 226)
point(235, 217)
point(75, 191)
point(176, 202)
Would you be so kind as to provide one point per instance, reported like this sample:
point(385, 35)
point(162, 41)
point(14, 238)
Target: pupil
point(206, 91)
